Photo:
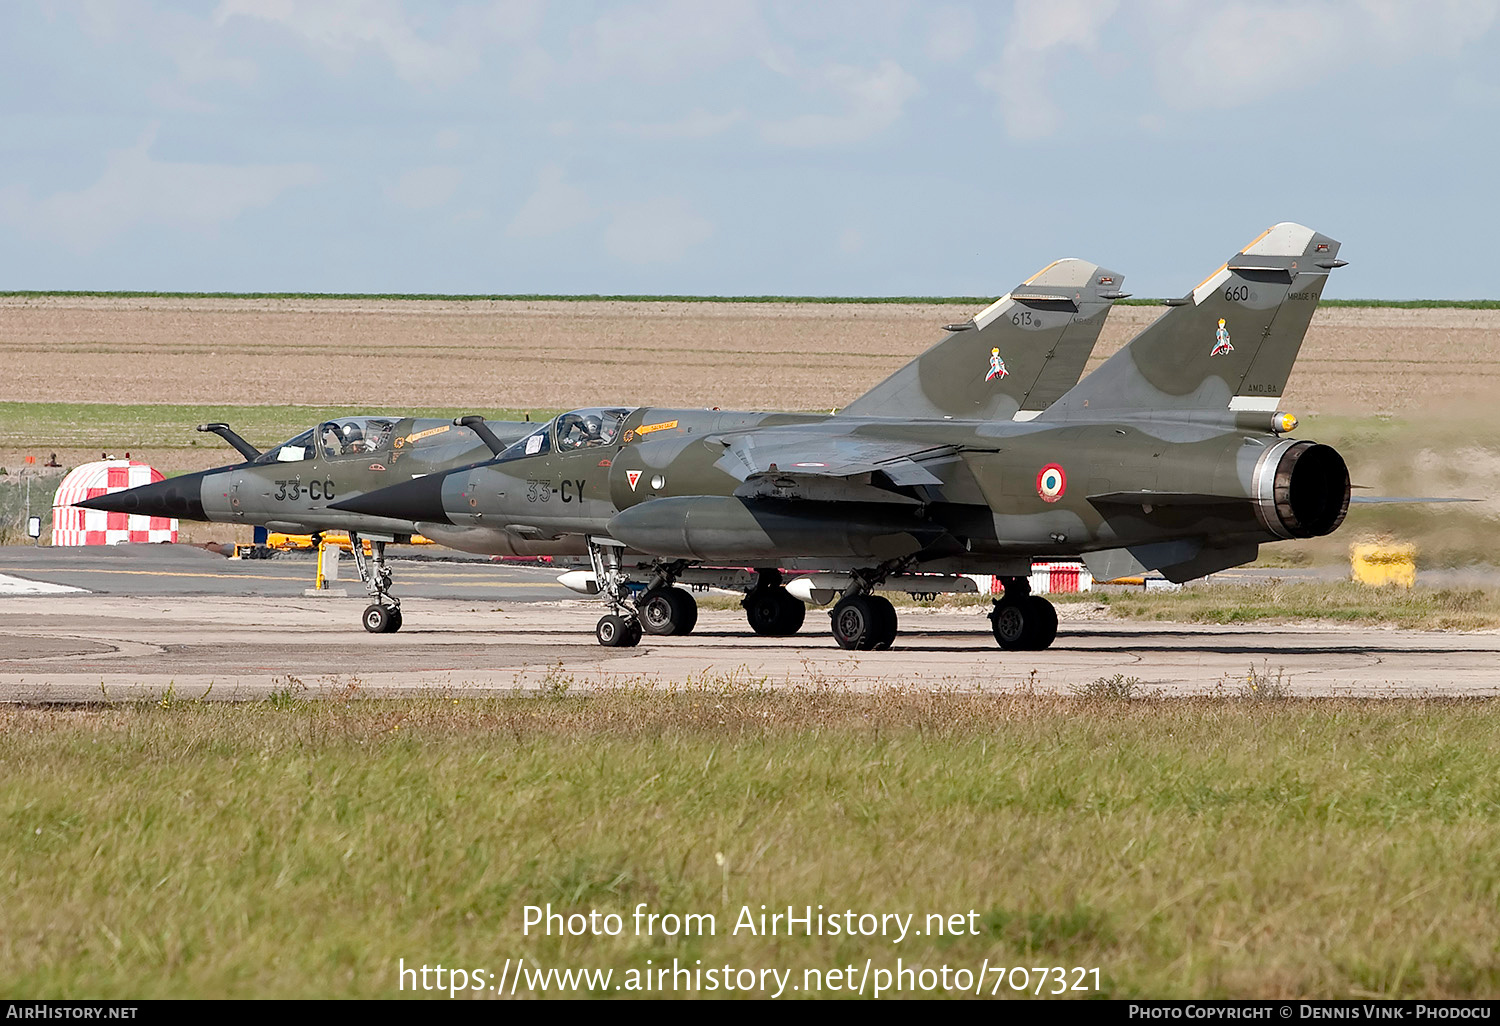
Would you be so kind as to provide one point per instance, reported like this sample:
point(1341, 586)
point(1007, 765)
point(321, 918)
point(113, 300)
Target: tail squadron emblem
point(997, 367)
point(1221, 341)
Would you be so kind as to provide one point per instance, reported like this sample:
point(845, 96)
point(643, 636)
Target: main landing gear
point(667, 611)
point(864, 622)
point(383, 614)
point(771, 609)
point(1022, 621)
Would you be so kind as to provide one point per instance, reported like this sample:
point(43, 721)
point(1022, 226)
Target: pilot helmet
point(352, 433)
point(592, 426)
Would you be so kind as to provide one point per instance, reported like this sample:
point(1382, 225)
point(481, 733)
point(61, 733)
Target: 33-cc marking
point(291, 491)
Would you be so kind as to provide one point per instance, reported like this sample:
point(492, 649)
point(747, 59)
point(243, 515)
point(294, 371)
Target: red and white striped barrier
point(1049, 578)
point(74, 526)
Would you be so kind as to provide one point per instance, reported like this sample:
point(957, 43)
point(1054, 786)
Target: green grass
point(121, 426)
point(1214, 847)
point(1345, 602)
point(1409, 304)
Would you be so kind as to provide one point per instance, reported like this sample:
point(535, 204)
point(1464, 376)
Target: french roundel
point(1051, 482)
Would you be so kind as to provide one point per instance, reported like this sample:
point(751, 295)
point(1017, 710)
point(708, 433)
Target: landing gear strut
point(771, 609)
point(1023, 622)
point(383, 614)
point(620, 628)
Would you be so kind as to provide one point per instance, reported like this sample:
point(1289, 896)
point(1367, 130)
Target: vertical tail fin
point(1012, 360)
point(1229, 344)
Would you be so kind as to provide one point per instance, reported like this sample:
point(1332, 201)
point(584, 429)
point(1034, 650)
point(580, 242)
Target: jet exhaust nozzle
point(1305, 492)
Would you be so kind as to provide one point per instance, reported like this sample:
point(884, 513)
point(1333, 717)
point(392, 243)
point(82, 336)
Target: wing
point(823, 465)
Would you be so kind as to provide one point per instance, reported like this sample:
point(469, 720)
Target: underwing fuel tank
point(710, 527)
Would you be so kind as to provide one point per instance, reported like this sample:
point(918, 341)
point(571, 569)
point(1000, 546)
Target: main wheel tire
point(857, 622)
point(614, 631)
point(886, 623)
point(395, 620)
point(1011, 625)
point(377, 619)
point(793, 614)
point(1041, 621)
point(670, 611)
point(773, 612)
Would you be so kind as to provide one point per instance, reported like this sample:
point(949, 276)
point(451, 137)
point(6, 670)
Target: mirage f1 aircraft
point(551, 492)
point(290, 487)
point(1171, 456)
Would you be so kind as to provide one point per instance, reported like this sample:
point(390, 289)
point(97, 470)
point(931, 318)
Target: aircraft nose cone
point(180, 497)
point(420, 499)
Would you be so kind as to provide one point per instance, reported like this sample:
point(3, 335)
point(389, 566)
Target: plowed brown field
point(516, 354)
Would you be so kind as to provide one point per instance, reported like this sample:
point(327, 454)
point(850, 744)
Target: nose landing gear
point(383, 614)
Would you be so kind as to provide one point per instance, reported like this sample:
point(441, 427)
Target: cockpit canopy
point(345, 437)
point(592, 428)
point(355, 436)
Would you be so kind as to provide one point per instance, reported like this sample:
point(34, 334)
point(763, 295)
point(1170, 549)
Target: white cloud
point(136, 188)
point(700, 124)
point(874, 101)
point(425, 187)
point(337, 31)
point(666, 39)
point(1039, 30)
point(658, 231)
point(554, 207)
point(1224, 55)
point(953, 31)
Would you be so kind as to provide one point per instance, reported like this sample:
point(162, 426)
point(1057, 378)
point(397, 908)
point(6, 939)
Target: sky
point(736, 147)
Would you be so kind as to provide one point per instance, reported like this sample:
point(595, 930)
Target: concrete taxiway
point(127, 623)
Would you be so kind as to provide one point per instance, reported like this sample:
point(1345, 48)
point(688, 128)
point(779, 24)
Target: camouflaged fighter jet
point(1172, 456)
point(290, 486)
point(1033, 344)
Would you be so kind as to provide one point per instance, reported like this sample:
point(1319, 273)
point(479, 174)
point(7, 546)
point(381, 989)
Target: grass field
point(1344, 602)
point(1220, 847)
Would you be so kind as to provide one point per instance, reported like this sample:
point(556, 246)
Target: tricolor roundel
point(1051, 482)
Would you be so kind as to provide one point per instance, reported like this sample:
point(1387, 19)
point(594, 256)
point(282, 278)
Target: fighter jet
point(1033, 343)
point(1173, 456)
point(290, 486)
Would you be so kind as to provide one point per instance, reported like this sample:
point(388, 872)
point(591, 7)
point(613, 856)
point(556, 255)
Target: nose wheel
point(382, 619)
point(616, 631)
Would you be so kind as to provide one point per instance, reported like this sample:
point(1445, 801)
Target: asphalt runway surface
point(145, 619)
